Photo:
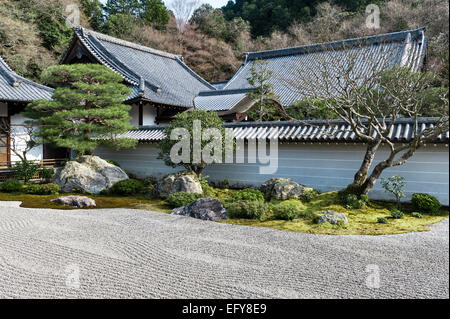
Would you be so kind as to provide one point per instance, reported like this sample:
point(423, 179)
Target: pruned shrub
point(352, 202)
point(426, 203)
point(396, 214)
point(182, 199)
point(309, 195)
point(286, 211)
point(42, 189)
point(417, 215)
point(11, 186)
point(47, 174)
point(247, 209)
point(247, 194)
point(25, 170)
point(128, 187)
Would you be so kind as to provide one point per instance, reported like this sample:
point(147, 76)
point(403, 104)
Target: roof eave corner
point(75, 37)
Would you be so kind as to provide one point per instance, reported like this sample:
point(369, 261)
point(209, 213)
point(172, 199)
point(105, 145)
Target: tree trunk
point(361, 175)
point(378, 170)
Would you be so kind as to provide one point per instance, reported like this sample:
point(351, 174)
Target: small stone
point(282, 189)
point(331, 217)
point(75, 201)
point(180, 182)
point(204, 209)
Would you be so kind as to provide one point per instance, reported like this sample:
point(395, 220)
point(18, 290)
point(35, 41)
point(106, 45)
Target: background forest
point(34, 35)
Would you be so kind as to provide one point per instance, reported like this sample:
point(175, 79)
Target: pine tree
point(87, 108)
point(264, 109)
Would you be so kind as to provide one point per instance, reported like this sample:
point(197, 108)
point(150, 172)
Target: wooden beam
point(141, 114)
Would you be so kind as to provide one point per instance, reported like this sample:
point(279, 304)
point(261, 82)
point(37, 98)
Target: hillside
point(33, 33)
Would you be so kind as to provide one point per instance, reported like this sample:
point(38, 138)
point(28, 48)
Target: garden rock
point(91, 174)
point(282, 189)
point(331, 217)
point(203, 208)
point(180, 182)
point(75, 201)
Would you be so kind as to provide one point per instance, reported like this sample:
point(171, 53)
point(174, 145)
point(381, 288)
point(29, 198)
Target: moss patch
point(43, 201)
point(361, 222)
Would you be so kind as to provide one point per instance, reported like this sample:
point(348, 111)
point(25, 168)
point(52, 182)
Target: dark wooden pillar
point(141, 114)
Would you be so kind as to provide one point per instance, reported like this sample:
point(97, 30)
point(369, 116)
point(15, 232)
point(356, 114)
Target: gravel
point(125, 253)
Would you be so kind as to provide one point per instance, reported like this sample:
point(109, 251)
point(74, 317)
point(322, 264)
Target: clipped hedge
point(11, 186)
point(247, 194)
point(426, 203)
point(42, 189)
point(247, 209)
point(182, 199)
point(286, 211)
point(128, 187)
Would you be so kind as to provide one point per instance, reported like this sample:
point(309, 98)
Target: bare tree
point(183, 10)
point(369, 95)
point(21, 138)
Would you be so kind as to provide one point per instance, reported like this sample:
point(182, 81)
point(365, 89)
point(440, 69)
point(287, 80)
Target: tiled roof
point(405, 48)
point(219, 100)
point(154, 75)
point(315, 131)
point(16, 88)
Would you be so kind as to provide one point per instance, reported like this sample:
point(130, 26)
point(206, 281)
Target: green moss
point(362, 221)
point(44, 201)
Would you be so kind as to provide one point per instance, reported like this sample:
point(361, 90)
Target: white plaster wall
point(149, 116)
point(20, 135)
point(322, 166)
point(134, 113)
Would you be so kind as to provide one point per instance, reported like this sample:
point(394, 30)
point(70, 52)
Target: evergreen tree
point(87, 108)
point(155, 12)
point(264, 109)
point(93, 9)
point(152, 12)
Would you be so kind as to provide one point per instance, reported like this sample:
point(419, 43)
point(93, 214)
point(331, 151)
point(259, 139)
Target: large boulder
point(180, 182)
point(90, 174)
point(203, 208)
point(75, 201)
point(331, 217)
point(282, 189)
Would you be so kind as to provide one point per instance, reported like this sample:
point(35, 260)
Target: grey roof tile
point(219, 100)
point(167, 79)
point(383, 51)
point(16, 88)
point(315, 131)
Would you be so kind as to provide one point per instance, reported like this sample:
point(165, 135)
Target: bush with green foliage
point(42, 189)
point(382, 220)
point(247, 209)
point(395, 185)
point(396, 214)
point(310, 109)
point(286, 211)
point(11, 186)
point(352, 202)
point(47, 174)
point(182, 199)
point(417, 215)
point(426, 203)
point(25, 170)
point(247, 194)
point(128, 187)
point(309, 195)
